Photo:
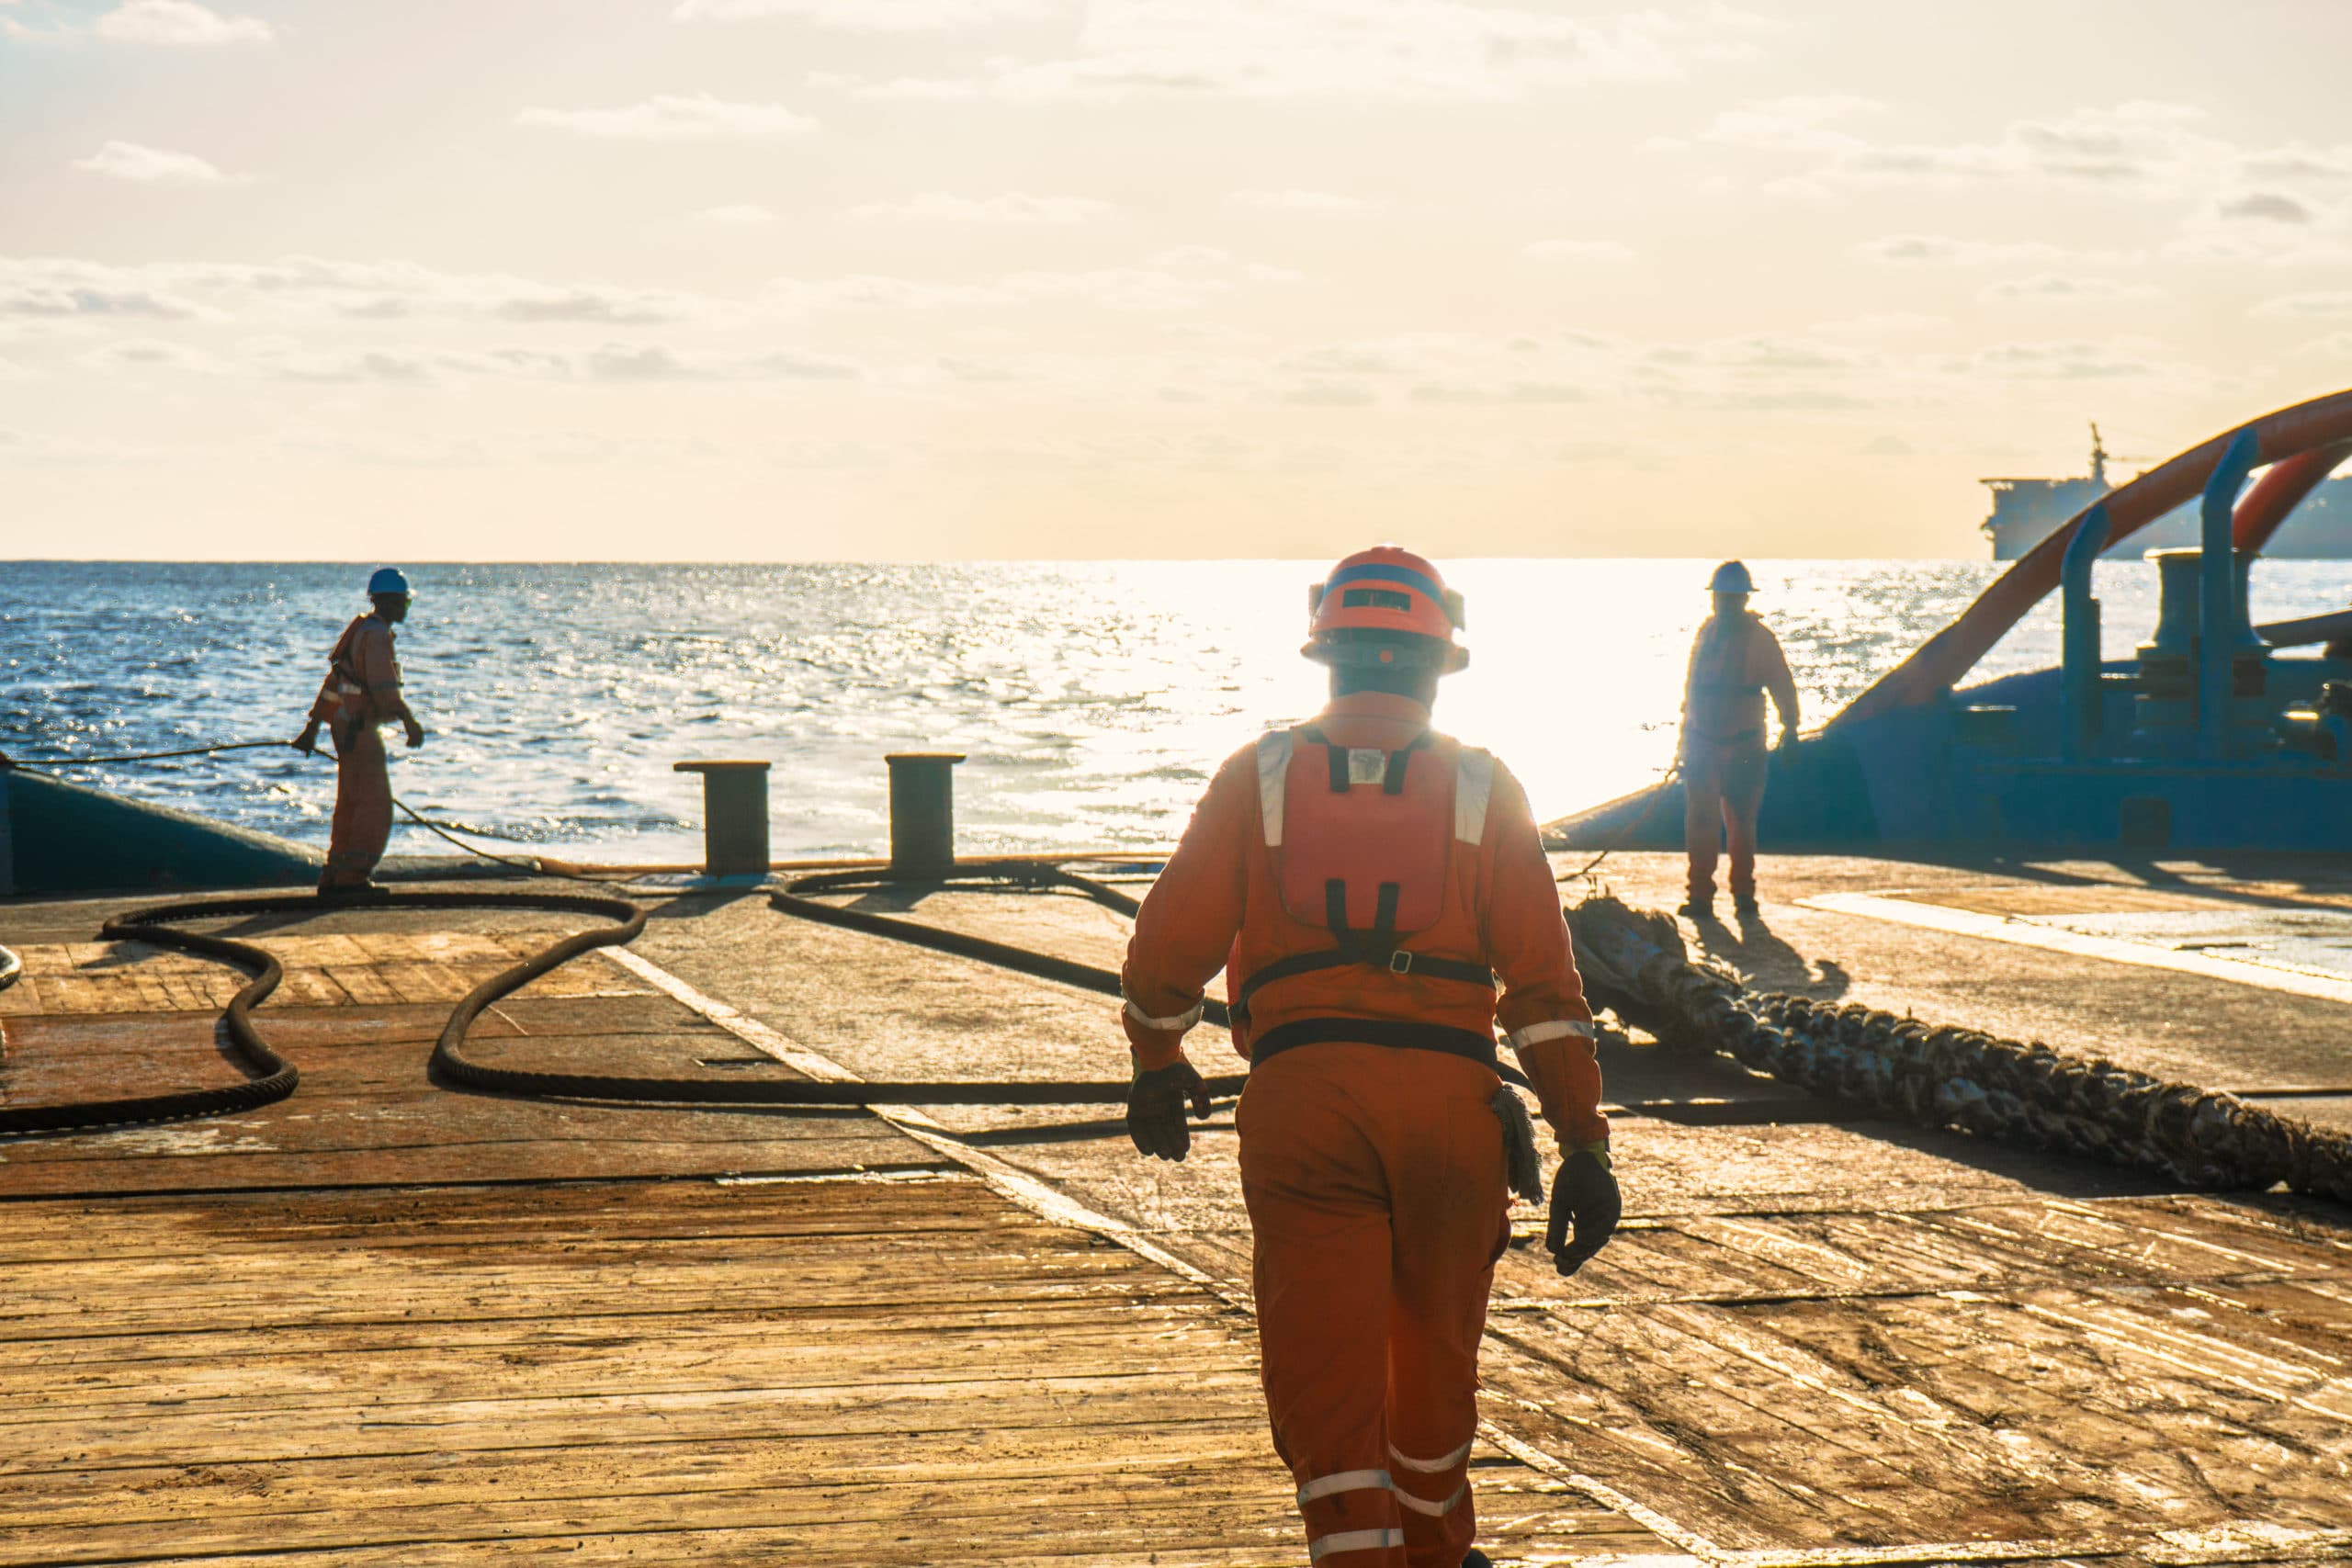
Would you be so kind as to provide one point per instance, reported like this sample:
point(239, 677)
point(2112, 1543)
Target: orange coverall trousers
point(363, 805)
point(1375, 1186)
point(1723, 792)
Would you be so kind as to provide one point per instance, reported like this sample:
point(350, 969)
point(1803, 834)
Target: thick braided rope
point(1948, 1075)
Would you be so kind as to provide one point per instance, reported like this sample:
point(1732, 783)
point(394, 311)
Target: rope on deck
point(1949, 1075)
point(163, 925)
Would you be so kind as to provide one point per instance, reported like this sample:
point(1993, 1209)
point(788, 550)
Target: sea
point(1092, 700)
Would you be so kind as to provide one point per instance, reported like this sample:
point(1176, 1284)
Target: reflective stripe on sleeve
point(1273, 773)
point(1557, 1028)
point(1474, 786)
point(1430, 1466)
point(1323, 1546)
point(1344, 1480)
point(1175, 1022)
point(1435, 1510)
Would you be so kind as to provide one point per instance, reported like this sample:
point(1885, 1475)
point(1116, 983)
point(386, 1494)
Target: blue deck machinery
point(2223, 741)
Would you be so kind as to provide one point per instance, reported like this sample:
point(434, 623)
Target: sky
point(828, 279)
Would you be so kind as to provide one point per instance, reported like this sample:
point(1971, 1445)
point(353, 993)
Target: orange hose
point(1939, 662)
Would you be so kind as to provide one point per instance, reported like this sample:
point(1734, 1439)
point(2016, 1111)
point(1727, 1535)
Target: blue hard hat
point(1732, 578)
point(387, 579)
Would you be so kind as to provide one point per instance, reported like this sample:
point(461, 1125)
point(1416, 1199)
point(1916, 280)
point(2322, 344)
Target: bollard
point(923, 812)
point(734, 816)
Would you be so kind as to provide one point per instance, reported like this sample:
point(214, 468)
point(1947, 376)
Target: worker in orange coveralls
point(1364, 881)
point(1734, 660)
point(362, 692)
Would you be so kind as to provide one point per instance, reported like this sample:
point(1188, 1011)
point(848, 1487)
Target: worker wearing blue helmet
point(1734, 662)
point(360, 695)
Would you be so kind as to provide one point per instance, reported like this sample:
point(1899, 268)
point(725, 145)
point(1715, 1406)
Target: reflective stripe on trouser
point(1723, 792)
point(363, 804)
point(1375, 1181)
point(1434, 1486)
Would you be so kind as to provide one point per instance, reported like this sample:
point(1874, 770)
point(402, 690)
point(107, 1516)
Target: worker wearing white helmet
point(362, 692)
point(1734, 662)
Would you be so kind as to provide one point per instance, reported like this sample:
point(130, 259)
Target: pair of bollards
point(923, 814)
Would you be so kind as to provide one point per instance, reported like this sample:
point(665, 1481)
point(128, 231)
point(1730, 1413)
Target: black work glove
point(1156, 1102)
point(1585, 1191)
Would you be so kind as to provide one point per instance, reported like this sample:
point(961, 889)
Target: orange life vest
point(1722, 701)
point(355, 705)
point(1362, 841)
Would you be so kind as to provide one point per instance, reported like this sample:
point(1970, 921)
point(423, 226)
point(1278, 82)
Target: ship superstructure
point(2027, 511)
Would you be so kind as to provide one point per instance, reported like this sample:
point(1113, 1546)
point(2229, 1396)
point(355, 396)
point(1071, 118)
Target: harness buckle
point(1400, 962)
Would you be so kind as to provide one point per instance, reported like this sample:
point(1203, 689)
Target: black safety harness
point(1373, 947)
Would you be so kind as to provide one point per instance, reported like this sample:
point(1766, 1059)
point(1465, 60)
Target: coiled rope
point(1951, 1077)
point(163, 925)
point(277, 1079)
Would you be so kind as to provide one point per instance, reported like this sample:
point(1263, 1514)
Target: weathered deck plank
point(868, 1372)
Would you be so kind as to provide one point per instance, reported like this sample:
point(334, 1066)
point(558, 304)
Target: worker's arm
point(323, 710)
point(379, 672)
point(1777, 680)
point(1188, 921)
point(1543, 1010)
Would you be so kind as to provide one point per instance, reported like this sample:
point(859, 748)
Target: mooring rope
point(163, 925)
point(1950, 1076)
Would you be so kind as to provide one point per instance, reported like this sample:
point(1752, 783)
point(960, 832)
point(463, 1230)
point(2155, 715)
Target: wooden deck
point(383, 1323)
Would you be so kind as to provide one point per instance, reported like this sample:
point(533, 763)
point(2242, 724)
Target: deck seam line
point(1050, 1202)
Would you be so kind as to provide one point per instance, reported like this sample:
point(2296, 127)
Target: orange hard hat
point(1380, 603)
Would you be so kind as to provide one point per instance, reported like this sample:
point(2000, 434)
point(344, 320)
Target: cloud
point(2133, 143)
point(309, 286)
point(1346, 49)
point(2066, 360)
point(623, 362)
point(1326, 395)
point(868, 16)
point(1311, 203)
point(154, 165)
point(1012, 207)
point(41, 289)
point(149, 354)
point(1504, 392)
point(2336, 303)
point(1578, 250)
point(178, 24)
point(2296, 164)
point(1181, 278)
point(414, 365)
point(1936, 249)
point(674, 117)
point(2268, 207)
point(740, 214)
point(2068, 289)
point(1804, 123)
point(2279, 206)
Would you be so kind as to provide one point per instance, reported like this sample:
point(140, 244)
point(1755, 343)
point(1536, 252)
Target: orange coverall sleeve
point(1186, 927)
point(1543, 1010)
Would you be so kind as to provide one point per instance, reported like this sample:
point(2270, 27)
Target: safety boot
point(1474, 1558)
point(1697, 909)
point(1745, 906)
